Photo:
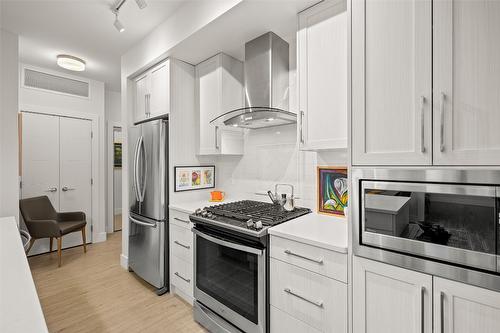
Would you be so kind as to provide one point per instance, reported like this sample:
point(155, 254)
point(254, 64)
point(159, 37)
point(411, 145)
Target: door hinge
point(91, 181)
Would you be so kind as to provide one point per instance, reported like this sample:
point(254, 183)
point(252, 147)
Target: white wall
point(191, 17)
point(37, 100)
point(9, 151)
point(113, 176)
point(112, 100)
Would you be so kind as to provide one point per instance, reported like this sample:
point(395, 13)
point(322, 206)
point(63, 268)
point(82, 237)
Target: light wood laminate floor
point(92, 293)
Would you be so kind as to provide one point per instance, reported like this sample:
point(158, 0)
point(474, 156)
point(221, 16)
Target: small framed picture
point(332, 190)
point(189, 178)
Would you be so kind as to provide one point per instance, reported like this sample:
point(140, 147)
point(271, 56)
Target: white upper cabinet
point(391, 82)
point(466, 82)
point(152, 92)
point(322, 72)
point(219, 86)
point(390, 299)
point(461, 308)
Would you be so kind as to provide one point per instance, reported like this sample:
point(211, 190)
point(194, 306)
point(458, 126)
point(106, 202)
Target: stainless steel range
point(231, 264)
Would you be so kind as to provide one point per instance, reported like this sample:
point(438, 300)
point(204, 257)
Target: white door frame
point(98, 216)
point(111, 125)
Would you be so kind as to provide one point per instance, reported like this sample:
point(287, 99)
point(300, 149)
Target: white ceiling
point(83, 28)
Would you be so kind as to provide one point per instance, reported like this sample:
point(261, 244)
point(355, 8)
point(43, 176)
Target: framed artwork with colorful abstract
point(188, 178)
point(332, 190)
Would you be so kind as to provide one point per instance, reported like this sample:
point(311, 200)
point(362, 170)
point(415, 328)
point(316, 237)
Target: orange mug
point(217, 196)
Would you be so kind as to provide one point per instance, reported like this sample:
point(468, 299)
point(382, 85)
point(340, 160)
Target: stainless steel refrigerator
point(148, 223)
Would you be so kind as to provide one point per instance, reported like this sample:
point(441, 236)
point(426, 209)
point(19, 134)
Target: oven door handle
point(225, 243)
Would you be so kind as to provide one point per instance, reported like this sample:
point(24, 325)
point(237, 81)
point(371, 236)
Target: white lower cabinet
point(301, 299)
point(181, 255)
point(389, 299)
point(461, 308)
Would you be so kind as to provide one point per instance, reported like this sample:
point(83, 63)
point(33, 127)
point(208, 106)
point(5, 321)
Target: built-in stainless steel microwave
point(440, 221)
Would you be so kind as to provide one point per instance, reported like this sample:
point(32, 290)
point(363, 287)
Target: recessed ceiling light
point(70, 62)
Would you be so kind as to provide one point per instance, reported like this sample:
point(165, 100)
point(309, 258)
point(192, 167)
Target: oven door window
point(458, 217)
point(228, 275)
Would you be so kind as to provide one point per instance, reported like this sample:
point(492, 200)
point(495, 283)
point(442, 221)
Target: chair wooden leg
point(51, 242)
point(84, 239)
point(59, 248)
point(32, 241)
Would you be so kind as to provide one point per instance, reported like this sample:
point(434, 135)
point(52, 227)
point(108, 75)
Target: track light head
point(141, 4)
point(118, 25)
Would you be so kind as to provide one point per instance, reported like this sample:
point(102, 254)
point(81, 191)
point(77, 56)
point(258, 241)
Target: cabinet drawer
point(283, 322)
point(315, 299)
point(180, 219)
point(322, 261)
point(181, 274)
point(181, 243)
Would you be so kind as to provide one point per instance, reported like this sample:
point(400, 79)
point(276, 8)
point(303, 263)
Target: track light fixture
point(116, 9)
point(118, 25)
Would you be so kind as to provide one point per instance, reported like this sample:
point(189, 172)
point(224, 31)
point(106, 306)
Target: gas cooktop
point(246, 216)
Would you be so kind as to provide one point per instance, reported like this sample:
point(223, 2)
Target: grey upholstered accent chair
point(43, 221)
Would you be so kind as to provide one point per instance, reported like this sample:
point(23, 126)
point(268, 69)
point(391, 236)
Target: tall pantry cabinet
point(398, 57)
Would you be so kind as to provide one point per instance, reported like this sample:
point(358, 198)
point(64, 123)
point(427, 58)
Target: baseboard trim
point(124, 261)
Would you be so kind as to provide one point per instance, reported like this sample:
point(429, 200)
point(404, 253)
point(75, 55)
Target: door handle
point(319, 304)
point(52, 189)
point(182, 245)
point(441, 310)
point(441, 126)
point(422, 309)
point(301, 127)
point(422, 124)
point(318, 261)
point(65, 189)
point(152, 225)
point(182, 277)
point(216, 137)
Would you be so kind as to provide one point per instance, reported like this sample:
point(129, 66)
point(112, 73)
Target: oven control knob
point(210, 215)
point(204, 213)
point(258, 225)
point(250, 223)
point(197, 212)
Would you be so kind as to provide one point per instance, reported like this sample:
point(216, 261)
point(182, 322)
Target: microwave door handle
point(225, 243)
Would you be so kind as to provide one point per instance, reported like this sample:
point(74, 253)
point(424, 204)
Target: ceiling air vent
point(54, 83)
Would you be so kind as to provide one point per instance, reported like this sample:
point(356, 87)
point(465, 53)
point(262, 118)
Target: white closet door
point(76, 172)
point(40, 166)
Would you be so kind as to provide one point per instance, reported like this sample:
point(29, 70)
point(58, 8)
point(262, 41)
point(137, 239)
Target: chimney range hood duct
point(266, 86)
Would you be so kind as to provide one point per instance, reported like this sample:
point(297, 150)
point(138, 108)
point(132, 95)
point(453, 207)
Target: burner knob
point(258, 225)
point(250, 223)
point(204, 213)
point(210, 215)
point(197, 212)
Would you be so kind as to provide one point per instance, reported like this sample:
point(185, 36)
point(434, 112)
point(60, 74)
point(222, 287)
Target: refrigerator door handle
point(142, 148)
point(136, 166)
point(152, 225)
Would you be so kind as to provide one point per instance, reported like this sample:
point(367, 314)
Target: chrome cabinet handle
point(441, 126)
point(301, 126)
point(319, 304)
point(181, 277)
point(422, 124)
point(181, 220)
point(422, 309)
point(318, 261)
point(441, 310)
point(65, 189)
point(182, 245)
point(52, 189)
point(216, 137)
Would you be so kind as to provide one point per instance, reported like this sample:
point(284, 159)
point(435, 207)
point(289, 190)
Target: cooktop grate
point(270, 214)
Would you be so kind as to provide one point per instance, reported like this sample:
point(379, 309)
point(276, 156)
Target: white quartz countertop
point(20, 309)
point(328, 232)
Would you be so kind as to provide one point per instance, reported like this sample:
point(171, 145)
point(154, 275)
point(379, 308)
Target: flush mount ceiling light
point(70, 62)
point(116, 9)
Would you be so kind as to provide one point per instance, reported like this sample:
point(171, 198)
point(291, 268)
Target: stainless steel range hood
point(266, 86)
